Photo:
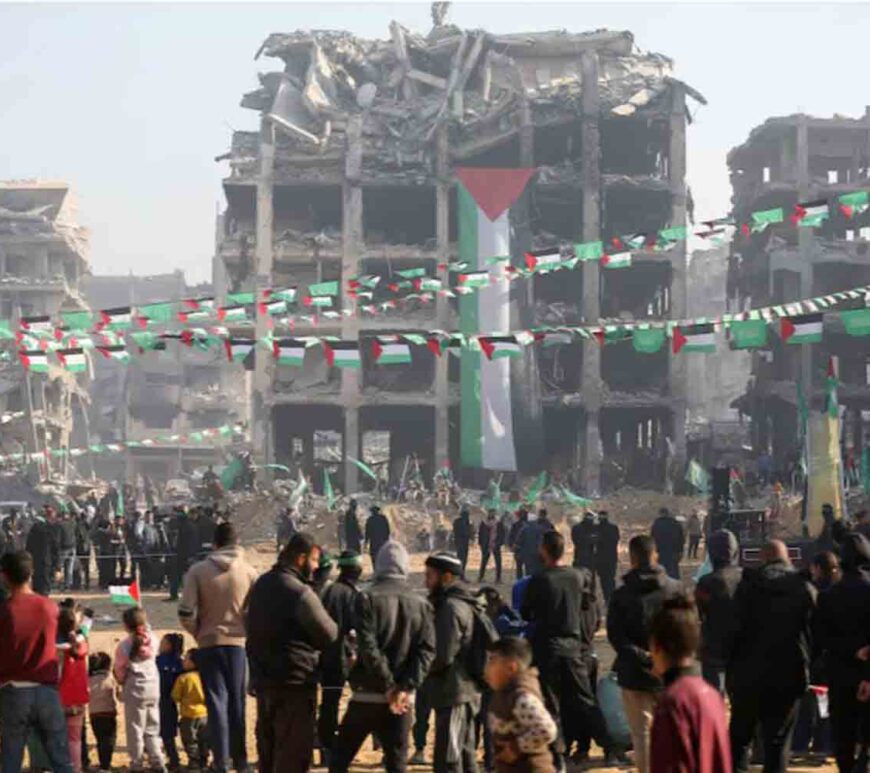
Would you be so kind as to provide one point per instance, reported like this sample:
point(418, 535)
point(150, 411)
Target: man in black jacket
point(842, 629)
point(584, 535)
point(565, 607)
point(521, 519)
point(353, 535)
point(770, 658)
point(287, 628)
point(644, 589)
point(339, 599)
point(67, 536)
point(39, 544)
point(454, 695)
point(83, 553)
point(396, 641)
point(714, 595)
point(462, 536)
point(490, 538)
point(377, 531)
point(607, 554)
point(670, 539)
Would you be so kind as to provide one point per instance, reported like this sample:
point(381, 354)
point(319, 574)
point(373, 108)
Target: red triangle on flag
point(494, 190)
point(786, 328)
point(531, 261)
point(678, 341)
point(434, 346)
point(377, 349)
point(847, 210)
point(744, 229)
point(329, 353)
point(486, 347)
point(599, 336)
point(605, 259)
point(832, 371)
point(133, 590)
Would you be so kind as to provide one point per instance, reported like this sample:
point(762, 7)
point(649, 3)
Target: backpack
point(483, 636)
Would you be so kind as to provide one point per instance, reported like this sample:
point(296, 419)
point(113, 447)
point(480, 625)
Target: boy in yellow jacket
point(192, 713)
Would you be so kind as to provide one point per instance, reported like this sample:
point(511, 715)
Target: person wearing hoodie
point(396, 646)
point(607, 555)
point(842, 629)
point(339, 600)
point(287, 629)
point(670, 539)
point(714, 595)
point(521, 520)
point(211, 610)
point(770, 656)
point(454, 694)
point(377, 531)
point(462, 530)
point(633, 605)
point(529, 541)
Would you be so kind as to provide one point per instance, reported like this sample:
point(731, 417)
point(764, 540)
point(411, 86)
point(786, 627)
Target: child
point(169, 665)
point(136, 672)
point(103, 707)
point(72, 650)
point(190, 698)
point(689, 730)
point(522, 728)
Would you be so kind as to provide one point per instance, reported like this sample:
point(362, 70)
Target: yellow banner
point(824, 469)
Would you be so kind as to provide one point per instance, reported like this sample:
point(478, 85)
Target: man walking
point(490, 538)
point(670, 539)
point(607, 555)
point(353, 535)
point(462, 536)
point(714, 595)
point(564, 606)
point(770, 658)
point(453, 693)
point(521, 519)
point(339, 600)
point(644, 589)
point(377, 531)
point(396, 642)
point(212, 602)
point(584, 535)
point(39, 545)
point(287, 628)
point(29, 699)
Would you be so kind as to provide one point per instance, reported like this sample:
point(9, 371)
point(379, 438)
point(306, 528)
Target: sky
point(132, 102)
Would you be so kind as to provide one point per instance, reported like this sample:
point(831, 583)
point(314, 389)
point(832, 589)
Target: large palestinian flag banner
point(486, 417)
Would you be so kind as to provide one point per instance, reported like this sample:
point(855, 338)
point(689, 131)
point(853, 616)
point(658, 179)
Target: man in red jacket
point(29, 698)
point(690, 730)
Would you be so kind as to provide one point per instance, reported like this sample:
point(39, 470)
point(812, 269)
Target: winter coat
point(449, 683)
point(669, 536)
point(377, 532)
point(137, 674)
point(584, 535)
point(484, 534)
point(461, 532)
point(287, 629)
point(608, 545)
point(714, 595)
point(339, 600)
point(353, 534)
point(632, 608)
point(529, 541)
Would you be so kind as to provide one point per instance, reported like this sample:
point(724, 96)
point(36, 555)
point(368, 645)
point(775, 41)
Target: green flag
point(588, 250)
point(537, 487)
point(856, 321)
point(748, 334)
point(157, 312)
point(323, 288)
point(648, 340)
point(408, 273)
point(299, 491)
point(76, 320)
point(576, 499)
point(696, 476)
point(364, 467)
point(230, 473)
point(327, 489)
point(6, 330)
point(865, 468)
point(764, 218)
point(239, 299)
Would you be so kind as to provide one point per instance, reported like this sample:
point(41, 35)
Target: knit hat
point(392, 559)
point(444, 561)
point(349, 558)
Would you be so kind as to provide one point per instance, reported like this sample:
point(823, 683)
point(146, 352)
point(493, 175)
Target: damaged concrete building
point(173, 392)
point(784, 161)
point(352, 173)
point(44, 254)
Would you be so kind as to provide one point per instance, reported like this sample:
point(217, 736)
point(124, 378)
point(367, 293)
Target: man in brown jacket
point(211, 609)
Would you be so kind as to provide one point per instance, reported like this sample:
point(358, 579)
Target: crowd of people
point(517, 680)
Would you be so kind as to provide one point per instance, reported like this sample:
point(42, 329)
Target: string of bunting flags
point(196, 437)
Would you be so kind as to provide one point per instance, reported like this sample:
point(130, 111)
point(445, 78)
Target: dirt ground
point(107, 632)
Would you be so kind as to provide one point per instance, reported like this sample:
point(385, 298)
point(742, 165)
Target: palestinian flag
point(803, 329)
point(718, 222)
point(694, 338)
point(119, 318)
point(154, 312)
point(34, 360)
point(616, 259)
point(544, 260)
point(41, 325)
point(73, 360)
point(342, 354)
point(288, 294)
point(289, 351)
point(199, 304)
point(238, 348)
point(125, 595)
point(811, 214)
point(427, 284)
point(487, 407)
point(117, 353)
point(854, 204)
point(635, 241)
point(320, 301)
point(391, 353)
point(186, 317)
point(476, 279)
point(271, 308)
point(496, 347)
point(236, 313)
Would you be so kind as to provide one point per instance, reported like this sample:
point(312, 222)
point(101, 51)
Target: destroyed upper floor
point(479, 88)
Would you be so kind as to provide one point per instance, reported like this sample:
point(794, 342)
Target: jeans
point(105, 728)
point(422, 712)
point(484, 560)
point(224, 675)
point(285, 728)
point(68, 565)
point(363, 719)
point(23, 709)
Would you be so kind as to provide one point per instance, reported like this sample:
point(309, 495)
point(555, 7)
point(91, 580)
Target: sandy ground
point(107, 632)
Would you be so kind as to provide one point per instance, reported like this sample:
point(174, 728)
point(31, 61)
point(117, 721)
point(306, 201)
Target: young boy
point(189, 696)
point(689, 730)
point(522, 728)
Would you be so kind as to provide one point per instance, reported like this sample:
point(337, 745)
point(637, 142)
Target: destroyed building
point(352, 172)
point(785, 161)
point(167, 393)
point(44, 254)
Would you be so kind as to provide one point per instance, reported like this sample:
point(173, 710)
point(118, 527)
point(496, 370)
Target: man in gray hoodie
point(396, 646)
point(211, 610)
